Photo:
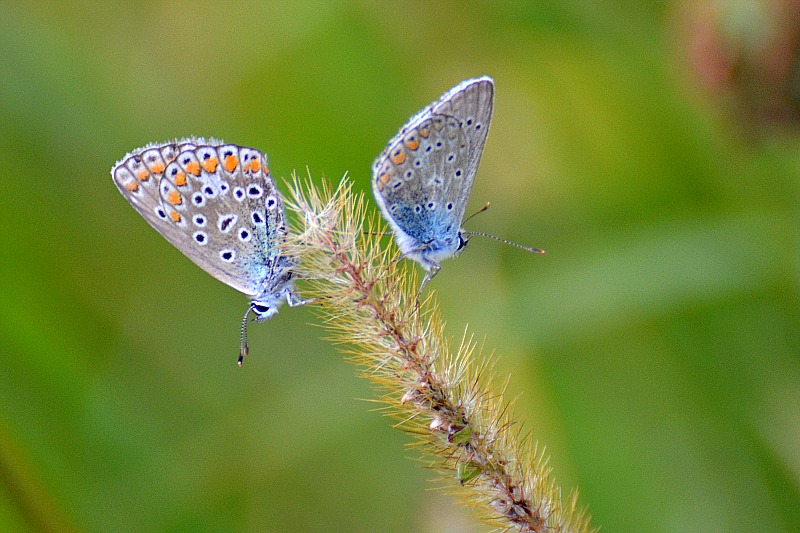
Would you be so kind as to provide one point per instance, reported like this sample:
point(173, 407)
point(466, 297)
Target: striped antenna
point(478, 212)
point(495, 237)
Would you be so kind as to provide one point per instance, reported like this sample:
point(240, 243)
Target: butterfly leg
point(432, 271)
point(293, 300)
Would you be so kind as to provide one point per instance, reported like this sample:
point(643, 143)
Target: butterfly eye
point(461, 242)
point(260, 309)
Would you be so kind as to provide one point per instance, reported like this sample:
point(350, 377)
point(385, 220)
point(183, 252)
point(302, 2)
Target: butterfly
point(423, 178)
point(217, 204)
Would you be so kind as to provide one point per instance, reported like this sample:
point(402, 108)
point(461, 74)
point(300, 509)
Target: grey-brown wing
point(216, 203)
point(423, 179)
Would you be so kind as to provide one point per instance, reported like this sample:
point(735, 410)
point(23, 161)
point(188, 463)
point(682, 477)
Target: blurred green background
point(652, 148)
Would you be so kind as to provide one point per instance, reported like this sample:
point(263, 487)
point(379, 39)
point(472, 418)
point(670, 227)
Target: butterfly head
point(463, 239)
point(264, 310)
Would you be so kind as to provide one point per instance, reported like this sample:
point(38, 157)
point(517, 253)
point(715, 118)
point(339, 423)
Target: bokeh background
point(651, 147)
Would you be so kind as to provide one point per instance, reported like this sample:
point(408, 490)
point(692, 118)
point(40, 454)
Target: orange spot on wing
point(157, 168)
point(174, 197)
point(143, 175)
point(180, 179)
point(210, 164)
point(399, 158)
point(255, 164)
point(424, 133)
point(384, 178)
point(175, 216)
point(413, 145)
point(380, 186)
point(231, 161)
point(193, 168)
point(132, 186)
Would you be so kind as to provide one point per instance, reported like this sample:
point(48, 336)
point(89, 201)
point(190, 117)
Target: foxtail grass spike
point(448, 399)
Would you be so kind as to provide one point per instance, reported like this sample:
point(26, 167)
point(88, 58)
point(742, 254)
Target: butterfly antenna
point(244, 348)
point(495, 237)
point(478, 212)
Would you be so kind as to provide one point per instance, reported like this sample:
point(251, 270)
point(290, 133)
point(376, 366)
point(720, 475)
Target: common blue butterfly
point(218, 205)
point(422, 180)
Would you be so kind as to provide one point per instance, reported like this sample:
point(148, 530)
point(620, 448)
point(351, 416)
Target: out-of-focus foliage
point(655, 349)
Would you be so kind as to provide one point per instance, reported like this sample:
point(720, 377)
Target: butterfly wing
point(471, 102)
point(423, 178)
point(216, 203)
